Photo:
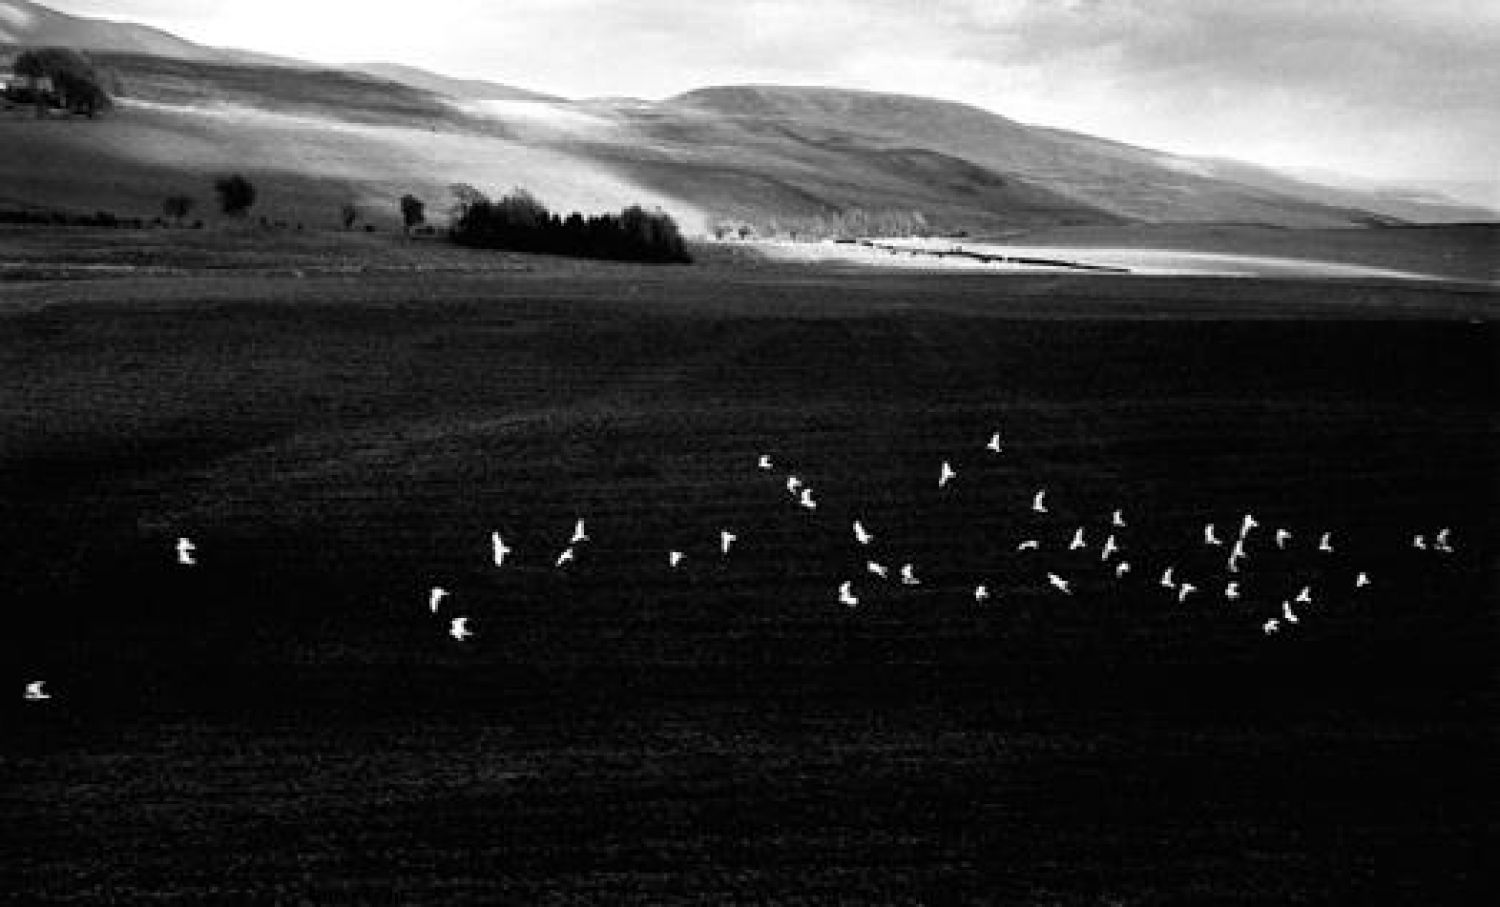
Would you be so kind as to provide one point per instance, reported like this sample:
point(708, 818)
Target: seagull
point(185, 552)
point(1282, 537)
point(1440, 541)
point(674, 558)
point(1305, 596)
point(994, 446)
point(1110, 548)
point(1029, 545)
point(846, 594)
point(1118, 519)
point(1238, 551)
point(765, 461)
point(1059, 584)
point(1247, 524)
point(807, 499)
point(1122, 568)
point(1166, 579)
point(909, 576)
point(437, 594)
point(880, 570)
point(860, 535)
point(579, 535)
point(1326, 542)
point(35, 693)
point(793, 484)
point(1419, 541)
point(946, 474)
point(1232, 591)
point(1209, 537)
point(459, 629)
point(566, 557)
point(725, 540)
point(1077, 540)
point(1286, 612)
point(1362, 580)
point(1184, 590)
point(1038, 505)
point(981, 593)
point(500, 548)
point(1271, 626)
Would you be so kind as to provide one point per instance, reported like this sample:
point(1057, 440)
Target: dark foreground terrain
point(287, 721)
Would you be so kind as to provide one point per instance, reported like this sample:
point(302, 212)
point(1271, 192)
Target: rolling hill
point(315, 138)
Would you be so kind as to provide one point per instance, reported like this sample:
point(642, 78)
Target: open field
point(339, 422)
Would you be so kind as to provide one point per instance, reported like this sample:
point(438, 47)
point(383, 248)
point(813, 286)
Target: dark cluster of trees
point(62, 78)
point(851, 223)
point(521, 223)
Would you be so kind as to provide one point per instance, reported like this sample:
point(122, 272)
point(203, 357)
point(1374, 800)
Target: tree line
point(521, 223)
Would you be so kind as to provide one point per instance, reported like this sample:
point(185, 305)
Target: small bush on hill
point(236, 195)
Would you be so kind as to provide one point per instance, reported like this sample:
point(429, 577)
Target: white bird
point(1059, 584)
point(1247, 524)
point(1238, 551)
point(725, 540)
point(34, 691)
point(765, 461)
point(1209, 536)
point(185, 550)
point(1362, 580)
point(1109, 550)
point(909, 576)
point(878, 569)
point(1166, 579)
point(846, 594)
point(1286, 612)
point(1122, 568)
point(500, 549)
point(1326, 542)
point(946, 474)
point(458, 628)
point(994, 444)
point(981, 593)
point(860, 535)
point(1038, 502)
point(1282, 537)
point(579, 535)
point(1440, 541)
point(1077, 540)
point(1184, 590)
point(435, 597)
point(807, 499)
point(1305, 596)
point(566, 557)
point(1232, 591)
point(1419, 541)
point(1118, 519)
point(1271, 626)
point(793, 484)
point(674, 558)
point(1029, 545)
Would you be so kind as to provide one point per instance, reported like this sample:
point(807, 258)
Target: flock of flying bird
point(1111, 555)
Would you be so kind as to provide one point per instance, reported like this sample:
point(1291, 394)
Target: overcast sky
point(1378, 88)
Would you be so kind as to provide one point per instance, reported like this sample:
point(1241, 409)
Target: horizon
point(1410, 101)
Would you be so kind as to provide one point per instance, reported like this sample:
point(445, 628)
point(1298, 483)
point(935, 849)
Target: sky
point(1382, 89)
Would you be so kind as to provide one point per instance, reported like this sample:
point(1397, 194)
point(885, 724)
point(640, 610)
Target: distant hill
point(27, 24)
point(467, 89)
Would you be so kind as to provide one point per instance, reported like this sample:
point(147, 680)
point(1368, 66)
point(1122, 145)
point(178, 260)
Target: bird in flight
point(1248, 523)
point(1118, 519)
point(878, 569)
point(946, 474)
point(1038, 501)
point(846, 594)
point(1287, 614)
point(458, 628)
point(807, 499)
point(566, 557)
point(500, 548)
point(1419, 541)
point(1440, 541)
point(1210, 537)
point(1029, 545)
point(725, 540)
point(765, 461)
point(994, 445)
point(981, 593)
point(793, 484)
point(909, 576)
point(35, 693)
point(1077, 540)
point(1122, 568)
point(1166, 579)
point(1059, 584)
point(1271, 626)
point(435, 598)
point(579, 534)
point(861, 535)
point(1236, 555)
point(1184, 590)
point(1325, 544)
point(185, 549)
point(1362, 580)
point(1232, 591)
point(1305, 596)
point(1282, 537)
point(674, 558)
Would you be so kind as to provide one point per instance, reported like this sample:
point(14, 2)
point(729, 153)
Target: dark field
point(288, 722)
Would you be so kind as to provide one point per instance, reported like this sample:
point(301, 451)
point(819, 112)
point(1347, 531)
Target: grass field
point(286, 721)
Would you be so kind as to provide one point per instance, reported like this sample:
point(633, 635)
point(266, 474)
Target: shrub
point(236, 194)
